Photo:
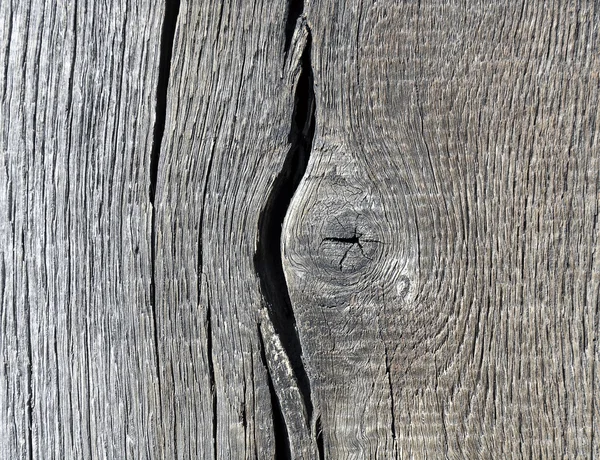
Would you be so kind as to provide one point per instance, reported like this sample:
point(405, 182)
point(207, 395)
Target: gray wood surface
point(78, 375)
point(320, 230)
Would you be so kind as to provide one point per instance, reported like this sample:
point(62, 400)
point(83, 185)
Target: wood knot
point(347, 245)
point(339, 240)
point(346, 242)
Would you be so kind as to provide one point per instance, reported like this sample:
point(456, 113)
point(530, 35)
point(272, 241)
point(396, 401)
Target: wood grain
point(78, 374)
point(228, 386)
point(441, 251)
point(319, 230)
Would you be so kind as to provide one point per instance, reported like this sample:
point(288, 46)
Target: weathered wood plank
point(433, 291)
point(230, 107)
point(77, 359)
point(441, 251)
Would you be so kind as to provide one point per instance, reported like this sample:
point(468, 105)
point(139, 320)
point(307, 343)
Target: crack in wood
point(209, 335)
point(319, 434)
point(211, 374)
point(27, 305)
point(282, 445)
point(388, 373)
point(164, 70)
point(267, 260)
point(356, 239)
point(294, 12)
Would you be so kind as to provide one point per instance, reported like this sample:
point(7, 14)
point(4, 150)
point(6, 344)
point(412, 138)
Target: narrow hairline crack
point(388, 373)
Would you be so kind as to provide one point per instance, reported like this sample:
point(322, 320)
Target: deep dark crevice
point(346, 240)
point(388, 372)
point(164, 69)
point(267, 259)
point(211, 374)
point(282, 445)
point(350, 241)
point(303, 116)
point(295, 10)
point(319, 433)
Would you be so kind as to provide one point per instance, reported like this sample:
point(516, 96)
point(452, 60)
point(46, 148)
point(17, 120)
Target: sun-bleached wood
point(441, 251)
point(430, 291)
point(78, 376)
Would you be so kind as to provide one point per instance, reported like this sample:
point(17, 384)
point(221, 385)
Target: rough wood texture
point(78, 374)
point(230, 104)
point(361, 229)
point(441, 251)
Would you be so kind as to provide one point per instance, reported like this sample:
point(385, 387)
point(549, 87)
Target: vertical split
point(164, 70)
point(267, 260)
point(211, 370)
point(280, 431)
point(294, 12)
point(319, 434)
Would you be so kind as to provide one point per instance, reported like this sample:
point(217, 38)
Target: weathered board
point(361, 229)
point(78, 376)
